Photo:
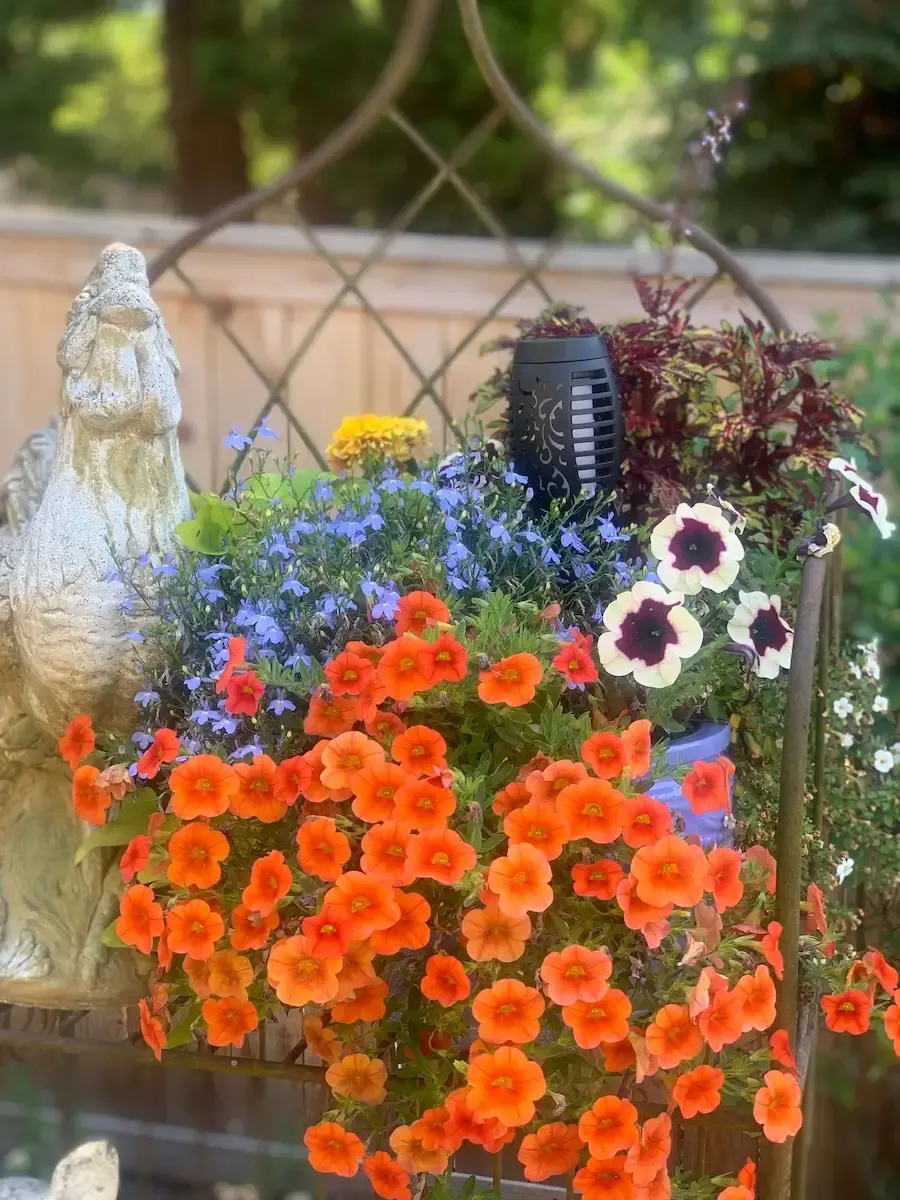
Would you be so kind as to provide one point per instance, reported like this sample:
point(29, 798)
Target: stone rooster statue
point(112, 491)
point(90, 1172)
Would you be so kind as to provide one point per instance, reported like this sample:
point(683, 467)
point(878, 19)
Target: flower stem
point(570, 1186)
point(498, 1172)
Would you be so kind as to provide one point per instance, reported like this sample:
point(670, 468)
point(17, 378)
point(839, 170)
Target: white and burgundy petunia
point(864, 494)
point(758, 623)
point(697, 548)
point(649, 633)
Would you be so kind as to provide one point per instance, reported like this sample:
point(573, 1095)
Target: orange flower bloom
point(490, 934)
point(250, 930)
point(152, 1030)
point(386, 853)
point(202, 787)
point(636, 744)
point(424, 806)
point(724, 880)
point(389, 1180)
point(256, 791)
point(609, 1125)
point(771, 950)
point(575, 662)
point(847, 1013)
point(410, 931)
point(521, 881)
point(89, 801)
point(195, 852)
point(328, 934)
point(405, 667)
point(357, 970)
point(333, 1150)
point(705, 787)
point(637, 913)
point(366, 904)
point(649, 1155)
point(359, 1078)
point(885, 974)
point(230, 974)
point(237, 648)
point(576, 973)
point(164, 955)
point(540, 825)
point(505, 1085)
point(364, 1003)
point(270, 881)
point(419, 750)
point(78, 741)
point(892, 1024)
point(551, 1150)
point(198, 976)
point(321, 849)
point(698, 1091)
point(747, 1176)
point(321, 1040)
point(406, 1142)
point(445, 980)
point(329, 715)
point(509, 1011)
point(292, 776)
point(735, 1193)
point(604, 753)
point(595, 1021)
point(511, 681)
point(672, 1037)
point(593, 810)
point(670, 872)
point(757, 992)
point(348, 674)
point(164, 748)
point(376, 787)
point(447, 659)
point(419, 610)
point(140, 918)
point(298, 976)
point(135, 858)
point(514, 795)
point(432, 1129)
point(228, 1021)
point(193, 928)
point(383, 727)
point(723, 1021)
point(780, 1048)
point(551, 780)
point(644, 821)
point(776, 1106)
point(441, 855)
point(598, 880)
point(344, 758)
point(605, 1179)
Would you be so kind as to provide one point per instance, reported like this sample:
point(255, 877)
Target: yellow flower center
point(575, 972)
point(537, 831)
point(442, 656)
point(592, 810)
point(385, 793)
point(328, 929)
point(642, 819)
point(520, 877)
point(352, 760)
point(502, 1081)
point(440, 859)
point(260, 785)
point(199, 852)
point(358, 902)
point(395, 851)
point(204, 785)
point(670, 870)
point(424, 802)
point(506, 1008)
point(406, 664)
point(510, 675)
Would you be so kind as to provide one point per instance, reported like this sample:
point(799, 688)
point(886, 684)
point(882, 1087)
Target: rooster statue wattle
point(114, 492)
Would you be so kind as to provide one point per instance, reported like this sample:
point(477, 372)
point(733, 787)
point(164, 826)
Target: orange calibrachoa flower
point(270, 882)
point(598, 880)
point(237, 649)
point(725, 878)
point(405, 667)
point(424, 806)
point(605, 1179)
point(328, 933)
point(344, 758)
point(592, 809)
point(604, 753)
point(776, 1106)
point(705, 786)
point(551, 1150)
point(419, 750)
point(410, 931)
point(636, 912)
point(886, 975)
point(89, 801)
point(313, 788)
point(576, 973)
point(198, 976)
point(598, 1021)
point(847, 1013)
point(636, 745)
point(575, 662)
point(321, 1040)
point(195, 852)
point(412, 1154)
point(229, 1020)
point(644, 821)
point(780, 1049)
point(298, 976)
point(447, 659)
point(892, 1023)
point(445, 980)
point(514, 795)
point(333, 1150)
point(164, 748)
point(418, 610)
point(366, 904)
point(193, 928)
point(389, 1180)
point(505, 1085)
point(539, 824)
point(358, 1077)
point(292, 776)
point(78, 741)
point(255, 796)
point(321, 849)
point(609, 1126)
point(441, 855)
point(723, 1021)
point(375, 788)
point(135, 858)
point(152, 1030)
point(735, 1193)
point(348, 674)
point(386, 853)
point(521, 881)
point(230, 974)
point(250, 930)
point(547, 783)
point(757, 993)
point(672, 1037)
point(364, 1003)
point(383, 726)
point(490, 934)
point(771, 950)
point(649, 1155)
point(140, 918)
point(202, 787)
point(671, 871)
point(511, 681)
point(509, 1011)
point(698, 1091)
point(243, 694)
point(329, 715)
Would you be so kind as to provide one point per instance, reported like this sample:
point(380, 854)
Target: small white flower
point(650, 632)
point(844, 869)
point(846, 740)
point(895, 750)
point(843, 708)
point(758, 623)
point(883, 761)
point(880, 704)
point(856, 670)
point(866, 497)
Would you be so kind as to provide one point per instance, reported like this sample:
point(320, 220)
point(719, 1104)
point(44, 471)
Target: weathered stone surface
point(90, 1172)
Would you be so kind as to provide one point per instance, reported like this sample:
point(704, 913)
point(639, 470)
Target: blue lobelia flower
point(235, 440)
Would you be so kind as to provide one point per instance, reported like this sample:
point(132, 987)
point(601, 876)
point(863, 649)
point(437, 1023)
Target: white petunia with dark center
point(758, 623)
point(864, 494)
point(650, 633)
point(697, 548)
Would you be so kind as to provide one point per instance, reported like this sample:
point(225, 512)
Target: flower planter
point(703, 744)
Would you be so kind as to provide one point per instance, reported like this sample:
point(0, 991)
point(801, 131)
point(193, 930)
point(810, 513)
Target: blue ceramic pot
point(705, 743)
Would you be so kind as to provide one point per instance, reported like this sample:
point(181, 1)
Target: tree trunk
point(209, 154)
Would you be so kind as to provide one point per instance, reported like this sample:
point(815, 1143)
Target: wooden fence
point(268, 285)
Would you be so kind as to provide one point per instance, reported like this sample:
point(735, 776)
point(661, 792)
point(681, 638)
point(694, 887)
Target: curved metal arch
point(412, 42)
point(523, 116)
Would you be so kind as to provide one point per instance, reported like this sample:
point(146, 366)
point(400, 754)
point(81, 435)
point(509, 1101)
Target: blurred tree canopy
point(186, 103)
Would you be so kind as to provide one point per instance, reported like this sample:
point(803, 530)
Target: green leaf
point(131, 821)
point(290, 489)
point(110, 938)
point(181, 1033)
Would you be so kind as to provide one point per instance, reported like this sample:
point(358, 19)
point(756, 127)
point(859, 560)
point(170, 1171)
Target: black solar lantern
point(565, 422)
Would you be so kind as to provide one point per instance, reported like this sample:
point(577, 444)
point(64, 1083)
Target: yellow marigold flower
point(367, 438)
